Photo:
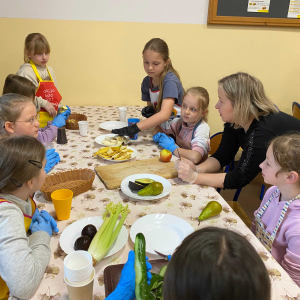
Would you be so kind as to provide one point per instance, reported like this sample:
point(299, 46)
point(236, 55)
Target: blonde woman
point(251, 121)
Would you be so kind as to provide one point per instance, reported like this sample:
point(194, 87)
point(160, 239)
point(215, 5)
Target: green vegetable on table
point(156, 284)
point(107, 233)
point(142, 291)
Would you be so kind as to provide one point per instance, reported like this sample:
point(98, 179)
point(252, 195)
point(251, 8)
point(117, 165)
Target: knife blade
point(166, 257)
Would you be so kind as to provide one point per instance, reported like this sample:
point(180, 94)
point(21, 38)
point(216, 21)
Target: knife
point(166, 257)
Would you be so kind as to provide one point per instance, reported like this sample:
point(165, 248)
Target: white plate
point(126, 190)
point(112, 125)
point(102, 137)
point(73, 232)
point(133, 155)
point(163, 233)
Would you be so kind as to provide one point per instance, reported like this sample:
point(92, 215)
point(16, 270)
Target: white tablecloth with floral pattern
point(185, 201)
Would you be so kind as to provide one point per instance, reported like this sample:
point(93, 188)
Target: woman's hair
point(248, 98)
point(36, 42)
point(19, 85)
point(202, 96)
point(214, 263)
point(286, 151)
point(11, 107)
point(21, 159)
point(161, 47)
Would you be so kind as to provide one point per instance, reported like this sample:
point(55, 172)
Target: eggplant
point(135, 187)
point(89, 230)
point(144, 181)
point(82, 243)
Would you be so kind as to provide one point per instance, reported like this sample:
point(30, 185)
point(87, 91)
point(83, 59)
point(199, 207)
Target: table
point(185, 201)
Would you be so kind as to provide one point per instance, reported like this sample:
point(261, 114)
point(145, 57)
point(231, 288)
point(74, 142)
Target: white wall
point(154, 11)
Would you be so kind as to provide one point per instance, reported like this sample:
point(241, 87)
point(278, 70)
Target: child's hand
point(165, 141)
point(52, 159)
point(129, 130)
point(125, 289)
point(50, 109)
point(41, 225)
point(49, 218)
point(148, 111)
point(59, 121)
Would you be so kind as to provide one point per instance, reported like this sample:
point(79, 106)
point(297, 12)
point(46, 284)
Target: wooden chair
point(215, 141)
point(296, 110)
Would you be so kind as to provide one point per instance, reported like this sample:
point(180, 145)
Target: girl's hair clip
point(16, 182)
point(35, 163)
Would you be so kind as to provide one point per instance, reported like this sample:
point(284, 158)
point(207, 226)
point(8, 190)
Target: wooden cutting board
point(112, 175)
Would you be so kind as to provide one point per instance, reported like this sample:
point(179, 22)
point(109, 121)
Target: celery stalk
point(108, 232)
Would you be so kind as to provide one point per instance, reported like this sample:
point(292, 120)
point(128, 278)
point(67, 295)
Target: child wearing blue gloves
point(20, 85)
point(18, 117)
point(23, 257)
point(191, 131)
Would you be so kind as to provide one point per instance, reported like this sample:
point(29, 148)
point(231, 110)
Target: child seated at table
point(22, 86)
point(191, 131)
point(211, 263)
point(276, 223)
point(23, 258)
point(18, 117)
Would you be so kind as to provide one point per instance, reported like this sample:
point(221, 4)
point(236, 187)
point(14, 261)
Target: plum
point(82, 243)
point(89, 230)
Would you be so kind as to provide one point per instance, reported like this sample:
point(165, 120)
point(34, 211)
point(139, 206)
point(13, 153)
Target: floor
point(249, 196)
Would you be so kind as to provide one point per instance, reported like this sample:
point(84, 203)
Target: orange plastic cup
point(62, 200)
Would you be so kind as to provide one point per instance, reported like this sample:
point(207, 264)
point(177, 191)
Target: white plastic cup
point(82, 291)
point(122, 114)
point(78, 267)
point(83, 126)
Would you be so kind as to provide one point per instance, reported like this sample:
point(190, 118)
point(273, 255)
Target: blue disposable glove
point(66, 113)
point(49, 218)
point(41, 225)
point(34, 217)
point(59, 121)
point(52, 159)
point(165, 141)
point(125, 289)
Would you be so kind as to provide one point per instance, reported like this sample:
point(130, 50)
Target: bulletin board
point(236, 12)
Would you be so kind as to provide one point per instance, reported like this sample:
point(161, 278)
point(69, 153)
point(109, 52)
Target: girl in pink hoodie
point(276, 223)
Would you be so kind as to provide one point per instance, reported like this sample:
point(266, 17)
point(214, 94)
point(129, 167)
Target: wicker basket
point(77, 180)
point(72, 122)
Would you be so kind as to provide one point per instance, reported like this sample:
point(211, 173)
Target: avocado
point(153, 189)
point(134, 187)
point(144, 181)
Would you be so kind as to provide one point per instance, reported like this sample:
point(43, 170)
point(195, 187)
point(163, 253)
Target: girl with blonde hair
point(36, 56)
point(161, 89)
point(251, 121)
point(191, 131)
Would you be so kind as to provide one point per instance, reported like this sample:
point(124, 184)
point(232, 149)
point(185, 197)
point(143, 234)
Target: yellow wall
point(100, 63)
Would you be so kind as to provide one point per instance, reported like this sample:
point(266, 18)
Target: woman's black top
point(254, 144)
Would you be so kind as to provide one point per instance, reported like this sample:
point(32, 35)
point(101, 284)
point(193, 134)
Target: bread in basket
point(77, 180)
point(72, 121)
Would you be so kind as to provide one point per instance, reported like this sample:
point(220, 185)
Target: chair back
point(296, 110)
point(215, 141)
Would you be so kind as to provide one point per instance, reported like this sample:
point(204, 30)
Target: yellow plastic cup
point(62, 200)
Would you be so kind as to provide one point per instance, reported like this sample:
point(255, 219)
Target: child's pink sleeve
point(48, 133)
point(291, 260)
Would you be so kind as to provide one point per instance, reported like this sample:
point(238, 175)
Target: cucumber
point(142, 291)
